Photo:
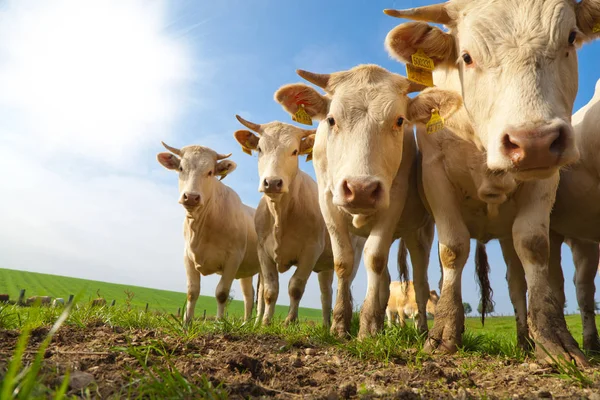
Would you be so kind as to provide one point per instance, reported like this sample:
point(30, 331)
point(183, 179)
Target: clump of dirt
point(267, 366)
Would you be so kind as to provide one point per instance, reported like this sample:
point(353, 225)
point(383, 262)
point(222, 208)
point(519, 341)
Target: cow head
point(278, 146)
point(517, 65)
point(360, 136)
point(198, 168)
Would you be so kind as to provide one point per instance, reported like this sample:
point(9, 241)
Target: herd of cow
point(506, 78)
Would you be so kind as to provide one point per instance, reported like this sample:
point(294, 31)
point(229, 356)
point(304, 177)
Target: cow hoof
point(440, 346)
point(339, 331)
point(591, 344)
point(368, 328)
point(525, 343)
point(559, 346)
point(290, 321)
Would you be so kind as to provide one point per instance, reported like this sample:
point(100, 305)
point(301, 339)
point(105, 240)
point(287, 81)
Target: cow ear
point(404, 40)
point(224, 168)
point(446, 102)
point(247, 139)
point(168, 160)
point(306, 146)
point(588, 18)
point(293, 96)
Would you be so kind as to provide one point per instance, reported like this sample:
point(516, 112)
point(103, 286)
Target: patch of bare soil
point(268, 367)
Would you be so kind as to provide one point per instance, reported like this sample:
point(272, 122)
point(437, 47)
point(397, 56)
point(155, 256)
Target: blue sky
point(87, 93)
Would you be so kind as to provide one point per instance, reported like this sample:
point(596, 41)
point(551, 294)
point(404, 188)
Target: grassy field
point(36, 284)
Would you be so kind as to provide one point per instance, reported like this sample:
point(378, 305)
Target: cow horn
point(223, 156)
point(172, 149)
point(250, 125)
point(436, 13)
point(321, 80)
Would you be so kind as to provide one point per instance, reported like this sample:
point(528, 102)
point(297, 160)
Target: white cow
point(575, 219)
point(365, 160)
point(218, 229)
point(402, 302)
point(515, 63)
point(290, 227)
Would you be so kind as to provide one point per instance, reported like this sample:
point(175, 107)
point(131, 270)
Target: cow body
point(218, 229)
point(365, 161)
point(39, 300)
point(402, 302)
point(517, 72)
point(290, 228)
point(58, 302)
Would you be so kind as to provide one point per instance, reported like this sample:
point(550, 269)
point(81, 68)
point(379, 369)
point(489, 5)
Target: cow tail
point(482, 269)
point(403, 273)
point(257, 291)
point(441, 282)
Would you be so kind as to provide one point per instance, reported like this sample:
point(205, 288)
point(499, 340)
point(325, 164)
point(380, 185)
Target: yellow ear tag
point(435, 123)
point(302, 116)
point(420, 60)
point(596, 28)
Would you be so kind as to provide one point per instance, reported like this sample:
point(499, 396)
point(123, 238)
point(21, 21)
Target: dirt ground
point(266, 366)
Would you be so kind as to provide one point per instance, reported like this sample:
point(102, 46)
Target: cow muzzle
point(359, 193)
point(271, 185)
point(190, 199)
point(538, 148)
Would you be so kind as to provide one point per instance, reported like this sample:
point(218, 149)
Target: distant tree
point(490, 308)
point(468, 308)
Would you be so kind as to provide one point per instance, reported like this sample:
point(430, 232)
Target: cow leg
point(297, 284)
point(585, 258)
point(384, 291)
point(517, 288)
point(531, 238)
point(419, 247)
point(193, 289)
point(269, 284)
point(260, 301)
point(325, 284)
point(224, 289)
point(389, 315)
point(248, 292)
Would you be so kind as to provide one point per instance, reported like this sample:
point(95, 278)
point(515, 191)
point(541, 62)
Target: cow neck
point(199, 220)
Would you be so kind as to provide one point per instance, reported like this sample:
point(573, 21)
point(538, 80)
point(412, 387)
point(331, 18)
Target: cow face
point(198, 168)
point(358, 147)
point(517, 65)
point(278, 146)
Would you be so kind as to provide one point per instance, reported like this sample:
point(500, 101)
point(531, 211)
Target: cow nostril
point(347, 190)
point(185, 196)
point(376, 193)
point(509, 144)
point(560, 143)
point(279, 183)
point(266, 184)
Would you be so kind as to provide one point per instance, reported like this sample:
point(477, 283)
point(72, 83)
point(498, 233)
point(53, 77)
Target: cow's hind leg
point(517, 289)
point(248, 292)
point(325, 284)
point(585, 258)
point(297, 284)
point(419, 247)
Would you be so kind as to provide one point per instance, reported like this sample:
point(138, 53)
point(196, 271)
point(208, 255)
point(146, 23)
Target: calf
point(518, 86)
point(402, 302)
point(288, 221)
point(365, 160)
point(218, 229)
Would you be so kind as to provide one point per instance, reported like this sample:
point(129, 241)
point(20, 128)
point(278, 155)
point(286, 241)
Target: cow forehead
point(277, 134)
point(198, 157)
point(377, 102)
point(493, 26)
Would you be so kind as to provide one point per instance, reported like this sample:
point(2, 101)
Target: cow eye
point(467, 59)
point(209, 173)
point(180, 168)
point(295, 153)
point(331, 121)
point(572, 37)
point(258, 149)
point(400, 121)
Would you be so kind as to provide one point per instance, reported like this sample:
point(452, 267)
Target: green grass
point(37, 284)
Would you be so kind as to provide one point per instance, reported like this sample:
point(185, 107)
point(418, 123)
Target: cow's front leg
point(585, 258)
point(248, 292)
point(297, 284)
point(193, 289)
point(269, 284)
point(376, 257)
point(224, 286)
point(517, 289)
point(419, 247)
point(531, 238)
point(325, 284)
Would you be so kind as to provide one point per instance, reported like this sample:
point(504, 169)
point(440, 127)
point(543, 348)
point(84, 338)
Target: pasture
point(114, 352)
point(36, 284)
